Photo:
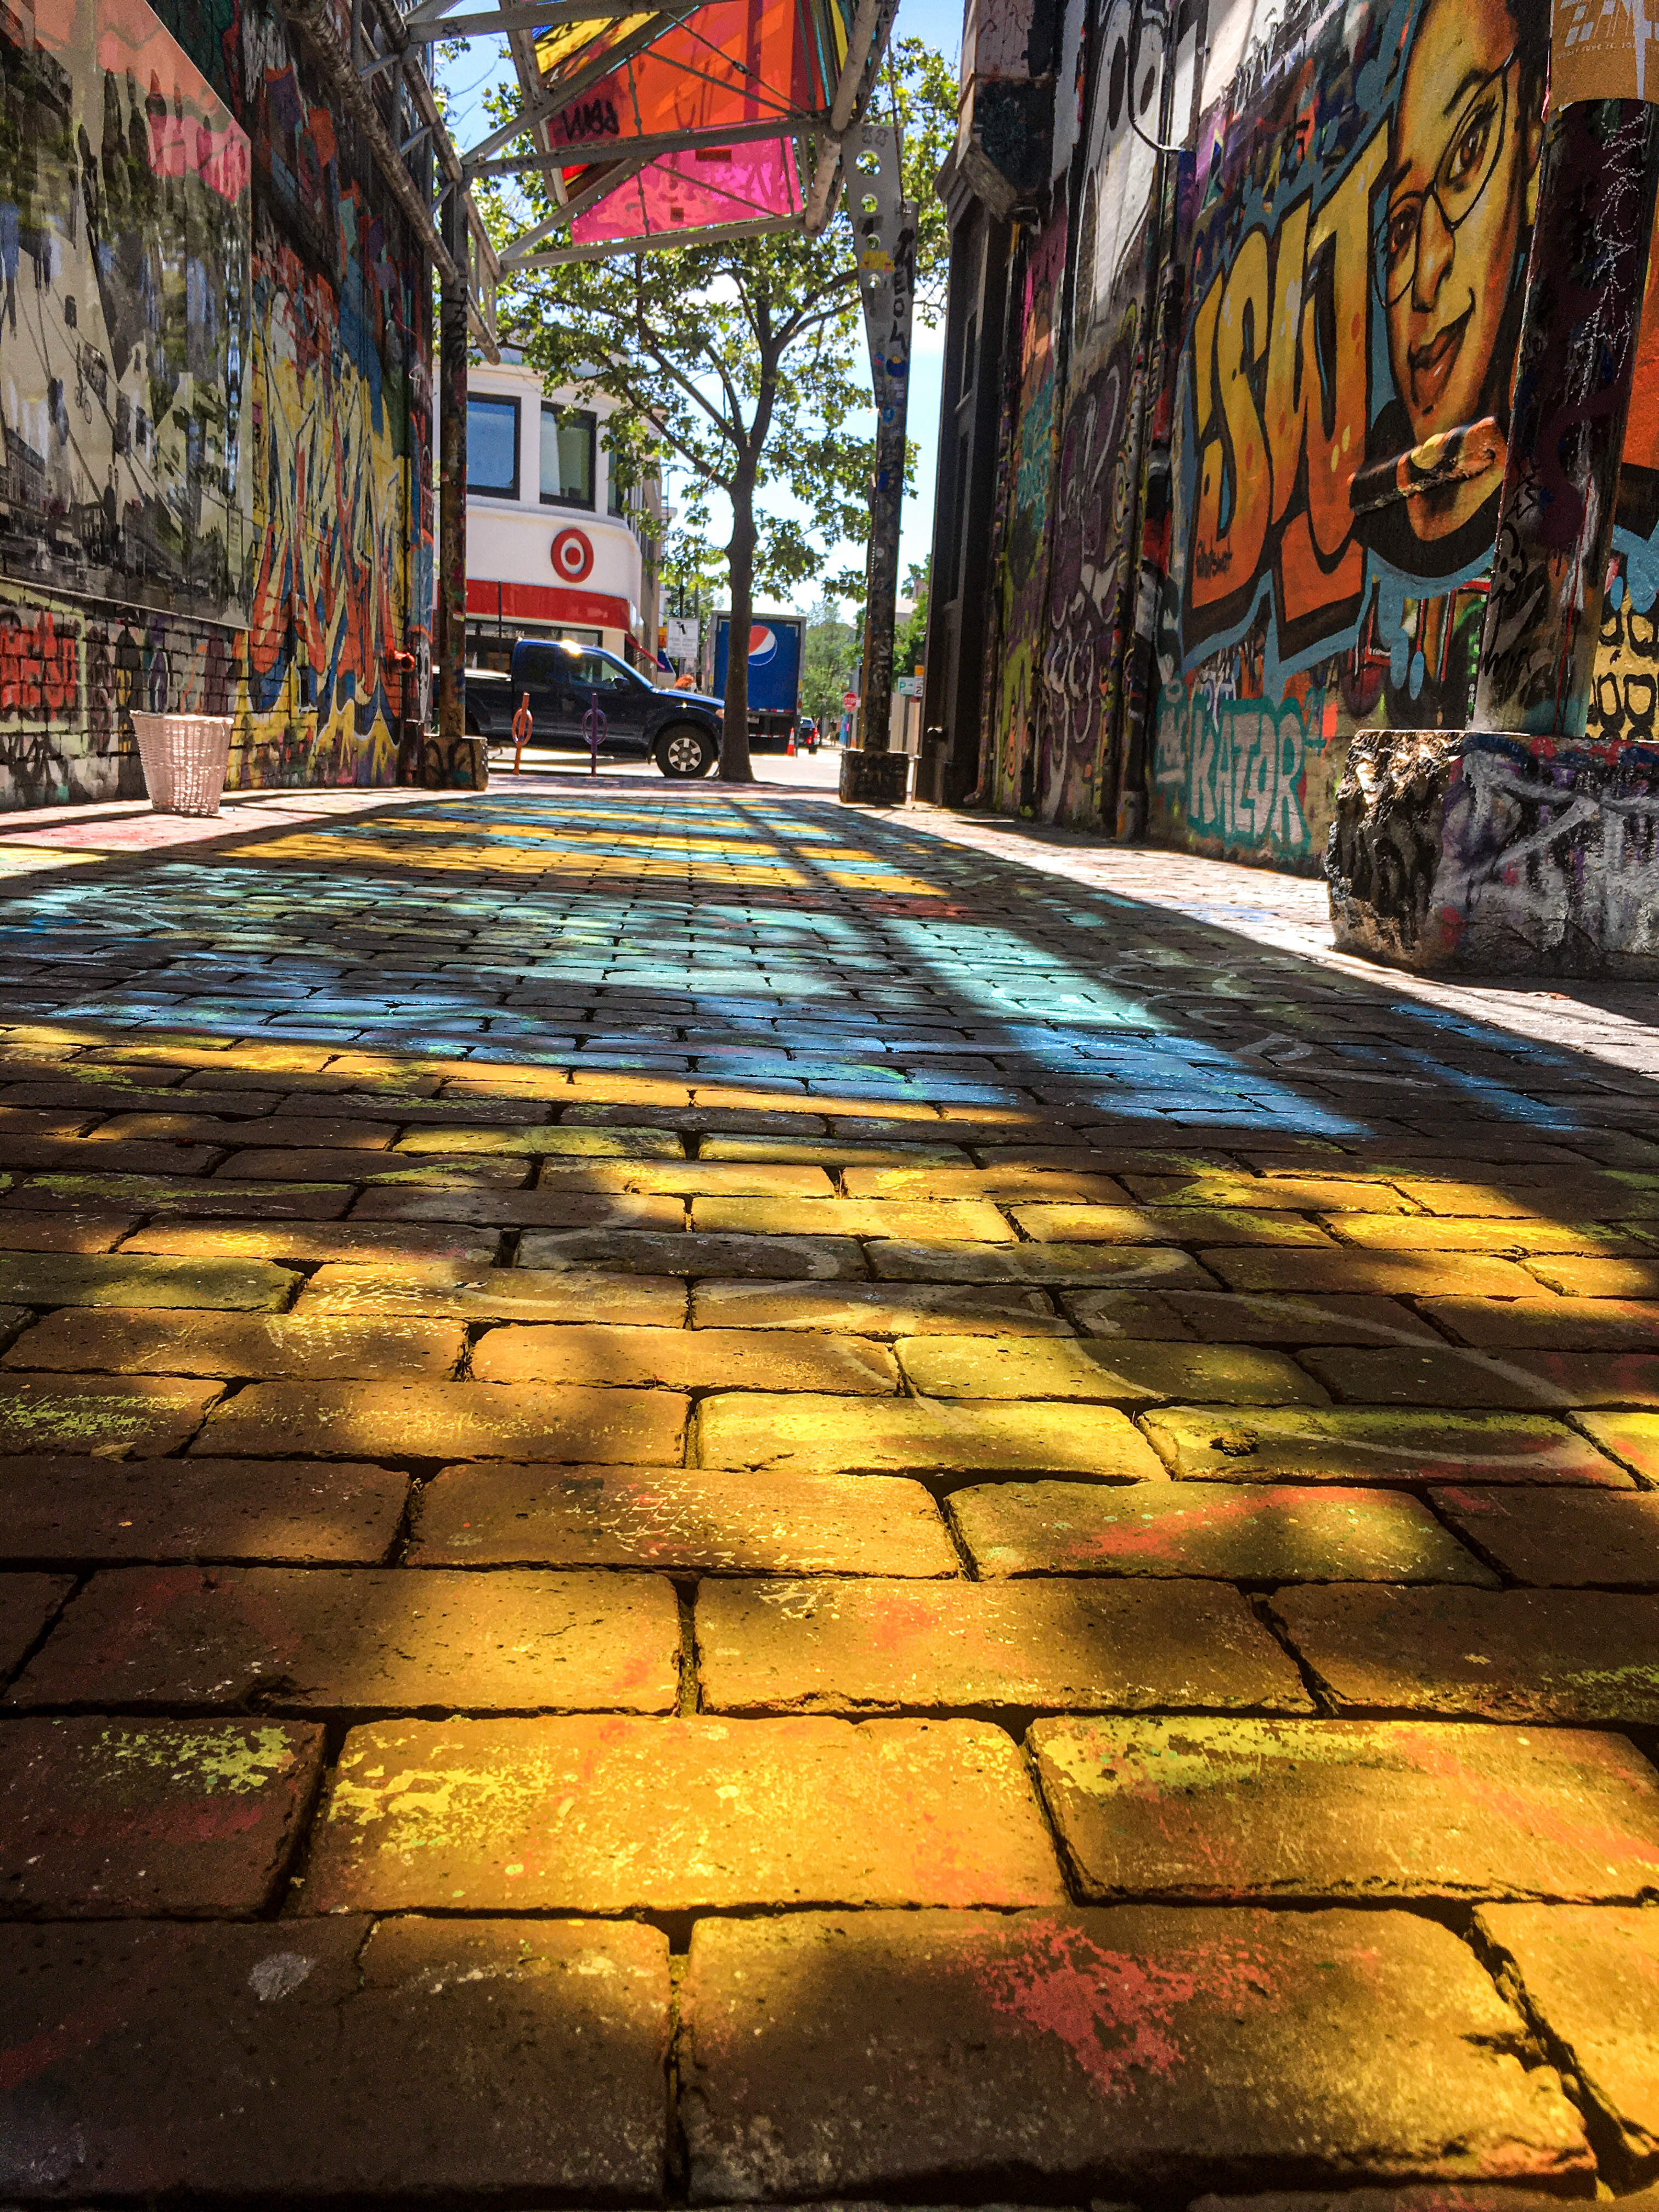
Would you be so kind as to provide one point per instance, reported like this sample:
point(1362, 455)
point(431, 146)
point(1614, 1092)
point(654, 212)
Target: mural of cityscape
point(215, 390)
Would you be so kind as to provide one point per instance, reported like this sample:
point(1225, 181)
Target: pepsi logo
point(573, 556)
point(762, 645)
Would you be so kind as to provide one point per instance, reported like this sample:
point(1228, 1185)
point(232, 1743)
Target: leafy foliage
point(832, 649)
point(911, 643)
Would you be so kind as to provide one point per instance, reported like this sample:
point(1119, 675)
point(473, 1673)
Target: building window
point(492, 447)
point(566, 456)
point(617, 502)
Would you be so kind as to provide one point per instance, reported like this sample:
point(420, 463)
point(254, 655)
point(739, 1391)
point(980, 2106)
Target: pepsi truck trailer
point(776, 647)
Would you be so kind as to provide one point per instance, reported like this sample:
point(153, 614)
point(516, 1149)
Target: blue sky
point(939, 21)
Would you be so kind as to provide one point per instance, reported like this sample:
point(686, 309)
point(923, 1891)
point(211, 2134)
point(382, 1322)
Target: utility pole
point(885, 231)
point(1585, 280)
point(454, 760)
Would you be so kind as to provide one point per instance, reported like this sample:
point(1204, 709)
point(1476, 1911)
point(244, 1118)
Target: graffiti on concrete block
point(70, 680)
point(1499, 852)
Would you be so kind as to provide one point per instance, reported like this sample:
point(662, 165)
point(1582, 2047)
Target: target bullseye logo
point(573, 556)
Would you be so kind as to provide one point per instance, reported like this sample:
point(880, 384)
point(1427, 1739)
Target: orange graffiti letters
point(1279, 362)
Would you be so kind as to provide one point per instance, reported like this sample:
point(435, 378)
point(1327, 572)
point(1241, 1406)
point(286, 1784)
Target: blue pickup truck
point(678, 729)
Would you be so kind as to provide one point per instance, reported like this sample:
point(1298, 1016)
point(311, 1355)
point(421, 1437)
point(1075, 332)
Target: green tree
point(910, 646)
point(743, 364)
point(827, 662)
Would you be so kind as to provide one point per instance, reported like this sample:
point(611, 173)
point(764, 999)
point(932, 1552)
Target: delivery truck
point(777, 646)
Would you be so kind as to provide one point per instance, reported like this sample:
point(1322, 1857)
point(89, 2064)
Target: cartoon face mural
point(1358, 216)
point(1449, 232)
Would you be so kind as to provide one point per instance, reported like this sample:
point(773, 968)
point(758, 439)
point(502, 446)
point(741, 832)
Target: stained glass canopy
point(689, 121)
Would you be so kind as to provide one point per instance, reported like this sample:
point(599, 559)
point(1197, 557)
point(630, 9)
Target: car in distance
point(678, 729)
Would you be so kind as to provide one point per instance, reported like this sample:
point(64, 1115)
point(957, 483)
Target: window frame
point(495, 400)
point(587, 506)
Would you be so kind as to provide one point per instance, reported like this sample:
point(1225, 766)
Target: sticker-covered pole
point(885, 231)
point(451, 641)
point(1585, 279)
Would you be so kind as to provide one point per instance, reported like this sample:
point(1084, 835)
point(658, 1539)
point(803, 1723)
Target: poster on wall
point(124, 295)
point(1360, 209)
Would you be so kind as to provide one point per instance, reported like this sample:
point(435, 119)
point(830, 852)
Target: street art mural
point(1357, 216)
point(1092, 564)
point(124, 234)
point(332, 476)
point(1023, 564)
point(215, 387)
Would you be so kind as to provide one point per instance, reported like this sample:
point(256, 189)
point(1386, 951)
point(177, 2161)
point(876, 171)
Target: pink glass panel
point(690, 192)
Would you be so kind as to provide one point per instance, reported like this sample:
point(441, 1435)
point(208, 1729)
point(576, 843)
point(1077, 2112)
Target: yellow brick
point(856, 1436)
point(946, 1221)
point(1007, 1185)
point(686, 1359)
point(1515, 1237)
point(1165, 1224)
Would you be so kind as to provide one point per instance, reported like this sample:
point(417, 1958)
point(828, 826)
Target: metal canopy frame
point(582, 172)
point(381, 77)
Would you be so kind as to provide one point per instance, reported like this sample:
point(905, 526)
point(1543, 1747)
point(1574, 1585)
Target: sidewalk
point(717, 1500)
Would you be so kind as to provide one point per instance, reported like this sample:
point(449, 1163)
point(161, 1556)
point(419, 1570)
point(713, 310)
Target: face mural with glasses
point(1358, 221)
point(1463, 149)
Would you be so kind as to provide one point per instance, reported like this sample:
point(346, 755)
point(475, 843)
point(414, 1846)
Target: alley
point(712, 1498)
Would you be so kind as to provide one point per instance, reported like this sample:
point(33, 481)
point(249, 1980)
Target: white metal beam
point(668, 242)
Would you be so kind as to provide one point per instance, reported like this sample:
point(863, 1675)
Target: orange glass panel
point(734, 61)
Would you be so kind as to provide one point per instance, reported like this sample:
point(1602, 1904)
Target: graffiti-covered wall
point(1299, 527)
point(215, 390)
point(1359, 216)
point(1016, 692)
point(1092, 563)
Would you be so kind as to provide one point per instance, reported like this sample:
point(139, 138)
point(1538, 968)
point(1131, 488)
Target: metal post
point(1584, 305)
point(451, 643)
point(886, 234)
point(881, 582)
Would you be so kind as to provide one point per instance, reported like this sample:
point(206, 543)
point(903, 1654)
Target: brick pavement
point(712, 1501)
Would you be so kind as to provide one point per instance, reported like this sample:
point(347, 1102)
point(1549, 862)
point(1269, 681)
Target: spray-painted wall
point(1358, 221)
point(1090, 584)
point(1016, 690)
point(1347, 252)
point(215, 389)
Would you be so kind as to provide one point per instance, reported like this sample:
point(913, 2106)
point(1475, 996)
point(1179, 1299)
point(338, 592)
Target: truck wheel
point(683, 750)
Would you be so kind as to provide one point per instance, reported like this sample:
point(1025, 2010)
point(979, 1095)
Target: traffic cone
point(789, 749)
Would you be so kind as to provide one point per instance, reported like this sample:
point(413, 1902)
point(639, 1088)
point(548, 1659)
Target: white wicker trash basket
point(185, 758)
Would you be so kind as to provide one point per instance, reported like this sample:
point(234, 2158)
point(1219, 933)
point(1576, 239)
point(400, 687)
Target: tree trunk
point(740, 555)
